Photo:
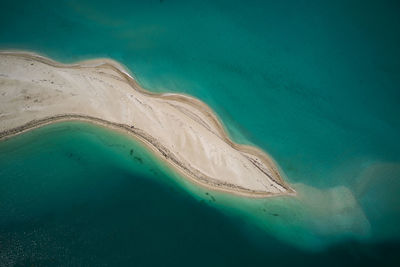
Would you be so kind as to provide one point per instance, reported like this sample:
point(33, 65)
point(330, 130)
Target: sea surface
point(316, 84)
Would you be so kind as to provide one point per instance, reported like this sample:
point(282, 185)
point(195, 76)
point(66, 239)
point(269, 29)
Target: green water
point(314, 83)
point(74, 194)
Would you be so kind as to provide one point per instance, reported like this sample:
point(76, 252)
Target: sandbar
point(182, 130)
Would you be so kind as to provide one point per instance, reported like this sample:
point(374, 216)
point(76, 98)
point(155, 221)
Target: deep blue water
point(314, 83)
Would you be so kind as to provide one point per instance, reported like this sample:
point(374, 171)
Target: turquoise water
point(74, 194)
point(314, 83)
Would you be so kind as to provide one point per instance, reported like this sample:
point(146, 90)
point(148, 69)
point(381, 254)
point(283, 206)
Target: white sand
point(184, 131)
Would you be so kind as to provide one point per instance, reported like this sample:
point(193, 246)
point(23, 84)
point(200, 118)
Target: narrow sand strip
point(182, 130)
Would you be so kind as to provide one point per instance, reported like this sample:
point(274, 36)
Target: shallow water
point(319, 82)
point(77, 194)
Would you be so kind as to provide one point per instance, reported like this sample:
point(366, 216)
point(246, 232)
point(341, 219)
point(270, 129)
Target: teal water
point(74, 194)
point(314, 83)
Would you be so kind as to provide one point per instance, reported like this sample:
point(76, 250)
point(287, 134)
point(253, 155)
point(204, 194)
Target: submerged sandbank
point(184, 131)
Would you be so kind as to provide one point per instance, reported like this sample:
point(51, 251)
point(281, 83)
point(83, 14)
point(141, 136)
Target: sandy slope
point(186, 133)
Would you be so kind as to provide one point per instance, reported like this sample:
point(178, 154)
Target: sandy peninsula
point(182, 130)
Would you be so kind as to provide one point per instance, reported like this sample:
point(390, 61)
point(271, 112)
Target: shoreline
point(159, 151)
point(210, 121)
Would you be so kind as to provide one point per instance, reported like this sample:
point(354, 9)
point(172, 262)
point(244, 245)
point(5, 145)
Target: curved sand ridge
point(182, 130)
